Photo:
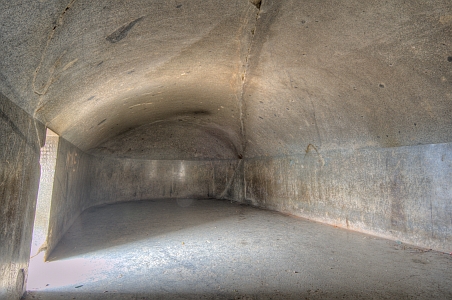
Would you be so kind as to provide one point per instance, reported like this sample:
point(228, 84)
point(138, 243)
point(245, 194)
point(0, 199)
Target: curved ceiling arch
point(241, 78)
point(105, 69)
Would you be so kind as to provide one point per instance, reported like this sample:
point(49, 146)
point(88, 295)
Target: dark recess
point(256, 3)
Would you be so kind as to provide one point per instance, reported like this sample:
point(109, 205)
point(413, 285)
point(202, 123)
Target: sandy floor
point(209, 249)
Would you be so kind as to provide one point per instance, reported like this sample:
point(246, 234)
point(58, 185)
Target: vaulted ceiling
point(209, 79)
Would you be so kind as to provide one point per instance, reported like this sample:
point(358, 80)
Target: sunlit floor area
point(210, 249)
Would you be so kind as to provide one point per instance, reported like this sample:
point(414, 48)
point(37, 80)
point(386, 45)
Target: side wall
point(20, 141)
point(115, 180)
point(70, 191)
point(401, 193)
point(83, 180)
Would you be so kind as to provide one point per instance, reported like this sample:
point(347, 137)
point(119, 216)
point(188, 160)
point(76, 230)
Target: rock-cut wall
point(70, 190)
point(400, 193)
point(20, 141)
point(115, 179)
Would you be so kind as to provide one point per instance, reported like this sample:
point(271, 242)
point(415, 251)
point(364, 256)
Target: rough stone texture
point(402, 193)
point(116, 180)
point(218, 79)
point(106, 69)
point(169, 141)
point(209, 249)
point(210, 79)
point(70, 190)
point(250, 83)
point(349, 75)
point(20, 141)
point(83, 180)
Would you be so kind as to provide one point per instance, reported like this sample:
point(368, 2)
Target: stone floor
point(209, 249)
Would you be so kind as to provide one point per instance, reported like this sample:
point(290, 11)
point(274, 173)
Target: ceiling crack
point(51, 79)
point(242, 106)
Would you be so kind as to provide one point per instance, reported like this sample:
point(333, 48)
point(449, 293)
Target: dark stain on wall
point(122, 32)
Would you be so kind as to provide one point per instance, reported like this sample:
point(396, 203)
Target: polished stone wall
point(70, 190)
point(400, 193)
point(115, 180)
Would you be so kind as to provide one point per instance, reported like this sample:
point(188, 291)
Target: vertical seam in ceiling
point(242, 106)
point(51, 78)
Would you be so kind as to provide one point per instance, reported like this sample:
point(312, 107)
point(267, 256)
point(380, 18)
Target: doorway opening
point(42, 215)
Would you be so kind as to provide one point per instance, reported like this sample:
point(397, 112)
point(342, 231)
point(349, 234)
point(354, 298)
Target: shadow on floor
point(208, 249)
point(106, 226)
